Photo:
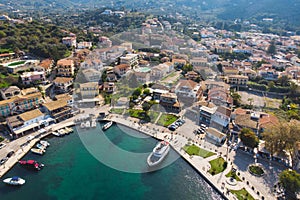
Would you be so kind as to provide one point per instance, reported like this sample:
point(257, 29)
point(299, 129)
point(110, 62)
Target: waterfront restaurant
point(25, 123)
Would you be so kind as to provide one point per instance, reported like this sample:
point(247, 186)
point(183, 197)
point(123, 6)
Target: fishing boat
point(45, 143)
point(159, 153)
point(56, 134)
point(32, 163)
point(107, 125)
point(37, 151)
point(14, 181)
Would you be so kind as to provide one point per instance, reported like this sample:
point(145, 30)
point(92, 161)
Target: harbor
point(176, 142)
point(55, 181)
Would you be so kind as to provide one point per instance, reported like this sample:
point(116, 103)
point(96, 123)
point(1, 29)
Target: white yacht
point(107, 125)
point(14, 181)
point(159, 153)
point(82, 125)
point(87, 124)
point(94, 123)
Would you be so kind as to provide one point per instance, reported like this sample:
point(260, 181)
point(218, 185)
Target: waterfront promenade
point(253, 185)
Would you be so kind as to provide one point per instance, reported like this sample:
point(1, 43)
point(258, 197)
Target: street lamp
point(255, 156)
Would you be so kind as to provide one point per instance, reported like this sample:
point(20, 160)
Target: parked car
point(2, 145)
point(172, 128)
point(10, 154)
point(203, 126)
point(3, 160)
point(181, 120)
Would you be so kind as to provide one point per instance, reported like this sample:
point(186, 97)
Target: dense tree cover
point(43, 40)
point(249, 138)
point(290, 180)
point(234, 56)
point(282, 138)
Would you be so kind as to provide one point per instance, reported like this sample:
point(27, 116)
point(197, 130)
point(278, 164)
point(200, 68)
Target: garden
point(195, 150)
point(217, 166)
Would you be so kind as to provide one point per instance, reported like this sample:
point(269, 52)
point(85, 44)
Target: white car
point(2, 145)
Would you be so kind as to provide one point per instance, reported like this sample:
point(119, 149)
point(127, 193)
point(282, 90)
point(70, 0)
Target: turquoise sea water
point(71, 172)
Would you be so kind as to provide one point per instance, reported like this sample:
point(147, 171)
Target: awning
point(26, 128)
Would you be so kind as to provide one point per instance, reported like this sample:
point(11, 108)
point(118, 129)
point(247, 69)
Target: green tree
point(249, 138)
point(146, 106)
point(272, 48)
point(236, 98)
point(2, 34)
point(282, 138)
point(186, 68)
point(137, 92)
point(220, 67)
point(290, 181)
point(283, 81)
point(146, 91)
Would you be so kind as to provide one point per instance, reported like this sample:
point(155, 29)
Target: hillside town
point(232, 91)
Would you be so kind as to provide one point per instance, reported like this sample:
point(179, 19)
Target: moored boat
point(61, 132)
point(40, 146)
point(94, 123)
point(82, 125)
point(14, 181)
point(107, 125)
point(159, 153)
point(45, 143)
point(37, 151)
point(87, 124)
point(56, 134)
point(70, 130)
point(35, 164)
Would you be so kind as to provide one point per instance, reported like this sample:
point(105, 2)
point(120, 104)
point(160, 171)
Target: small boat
point(40, 146)
point(45, 143)
point(37, 151)
point(70, 130)
point(56, 134)
point(87, 124)
point(107, 125)
point(67, 132)
point(94, 123)
point(61, 132)
point(82, 125)
point(35, 164)
point(159, 153)
point(14, 181)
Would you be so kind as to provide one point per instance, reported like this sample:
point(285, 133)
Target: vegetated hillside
point(277, 9)
point(281, 10)
point(43, 40)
